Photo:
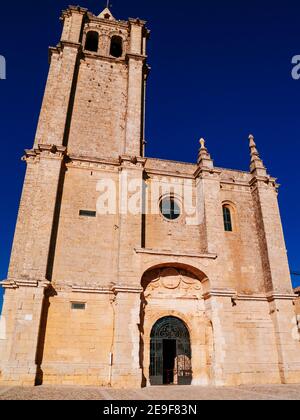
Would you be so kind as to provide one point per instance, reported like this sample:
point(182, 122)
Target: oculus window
point(169, 208)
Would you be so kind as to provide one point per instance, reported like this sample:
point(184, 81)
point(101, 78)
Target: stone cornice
point(120, 23)
point(136, 21)
point(17, 283)
point(207, 172)
point(52, 151)
point(8, 284)
point(257, 298)
point(127, 289)
point(96, 56)
point(132, 162)
point(173, 174)
point(175, 254)
point(62, 44)
point(51, 148)
point(236, 297)
point(182, 175)
point(92, 290)
point(273, 296)
point(76, 9)
point(91, 161)
point(59, 48)
point(116, 289)
point(73, 9)
point(234, 183)
point(109, 290)
point(47, 151)
point(264, 180)
point(136, 57)
point(227, 293)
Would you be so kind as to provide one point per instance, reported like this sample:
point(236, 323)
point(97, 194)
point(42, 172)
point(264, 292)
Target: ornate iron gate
point(170, 328)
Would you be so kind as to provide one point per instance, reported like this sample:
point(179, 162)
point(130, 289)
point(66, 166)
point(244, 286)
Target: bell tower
point(92, 111)
point(94, 100)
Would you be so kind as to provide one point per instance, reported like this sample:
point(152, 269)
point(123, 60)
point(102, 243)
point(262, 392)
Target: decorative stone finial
point(252, 141)
point(202, 143)
point(257, 166)
point(253, 149)
point(204, 159)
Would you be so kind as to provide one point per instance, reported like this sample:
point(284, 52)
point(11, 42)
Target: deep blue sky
point(220, 69)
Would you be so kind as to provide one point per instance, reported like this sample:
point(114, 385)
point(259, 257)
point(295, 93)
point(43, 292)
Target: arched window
point(227, 216)
point(92, 41)
point(116, 47)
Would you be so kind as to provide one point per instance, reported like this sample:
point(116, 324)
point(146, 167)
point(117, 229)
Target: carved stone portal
point(168, 280)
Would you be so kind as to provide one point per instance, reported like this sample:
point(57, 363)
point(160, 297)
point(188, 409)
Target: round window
point(169, 208)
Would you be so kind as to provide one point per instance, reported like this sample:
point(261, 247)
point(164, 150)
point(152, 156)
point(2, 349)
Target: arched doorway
point(170, 353)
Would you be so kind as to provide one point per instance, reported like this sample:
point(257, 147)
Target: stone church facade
point(139, 298)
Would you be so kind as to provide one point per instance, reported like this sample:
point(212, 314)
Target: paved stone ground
point(266, 392)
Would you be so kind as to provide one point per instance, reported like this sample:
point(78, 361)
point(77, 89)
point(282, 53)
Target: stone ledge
point(15, 284)
point(174, 174)
point(114, 290)
point(280, 296)
point(175, 254)
point(92, 290)
point(137, 57)
point(220, 293)
point(243, 297)
point(257, 298)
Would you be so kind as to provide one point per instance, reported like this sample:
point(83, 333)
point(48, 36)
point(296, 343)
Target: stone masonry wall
point(241, 247)
point(99, 115)
point(78, 342)
point(87, 248)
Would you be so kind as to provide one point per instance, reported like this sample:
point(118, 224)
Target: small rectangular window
point(87, 213)
point(77, 306)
